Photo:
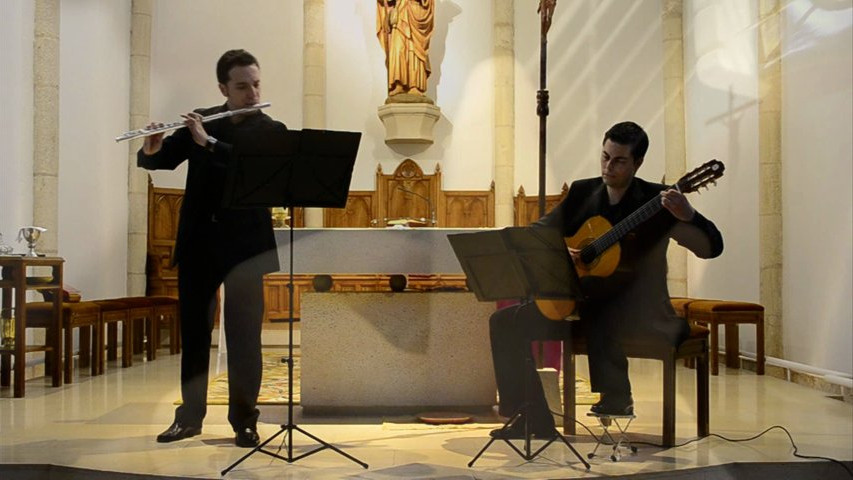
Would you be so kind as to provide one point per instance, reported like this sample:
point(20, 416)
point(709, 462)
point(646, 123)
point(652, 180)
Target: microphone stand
point(432, 219)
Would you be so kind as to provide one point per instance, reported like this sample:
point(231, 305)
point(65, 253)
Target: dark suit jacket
point(207, 228)
point(635, 299)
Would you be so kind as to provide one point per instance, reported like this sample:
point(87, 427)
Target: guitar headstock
point(701, 176)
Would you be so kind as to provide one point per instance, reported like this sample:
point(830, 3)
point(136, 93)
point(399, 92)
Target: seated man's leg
point(608, 365)
point(511, 329)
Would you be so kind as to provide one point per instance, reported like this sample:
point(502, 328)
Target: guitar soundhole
point(587, 266)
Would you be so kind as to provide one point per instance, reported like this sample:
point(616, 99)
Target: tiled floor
point(109, 423)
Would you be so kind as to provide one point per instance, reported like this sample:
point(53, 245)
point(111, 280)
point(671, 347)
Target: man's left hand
point(193, 121)
point(677, 204)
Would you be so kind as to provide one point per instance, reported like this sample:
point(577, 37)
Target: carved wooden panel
point(527, 208)
point(298, 217)
point(164, 207)
point(463, 209)
point(407, 193)
point(357, 214)
point(276, 295)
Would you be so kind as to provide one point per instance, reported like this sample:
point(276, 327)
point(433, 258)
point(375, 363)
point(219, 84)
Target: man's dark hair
point(631, 134)
point(231, 59)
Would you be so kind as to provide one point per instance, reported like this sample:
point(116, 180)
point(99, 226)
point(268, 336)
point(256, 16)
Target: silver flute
point(144, 132)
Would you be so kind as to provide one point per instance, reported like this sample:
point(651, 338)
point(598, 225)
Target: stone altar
point(406, 352)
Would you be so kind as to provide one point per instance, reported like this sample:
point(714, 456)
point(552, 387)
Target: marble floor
point(109, 423)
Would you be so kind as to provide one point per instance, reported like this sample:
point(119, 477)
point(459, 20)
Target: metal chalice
point(31, 235)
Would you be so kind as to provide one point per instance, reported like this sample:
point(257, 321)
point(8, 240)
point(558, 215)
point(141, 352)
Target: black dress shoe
point(614, 406)
point(178, 432)
point(247, 438)
point(516, 431)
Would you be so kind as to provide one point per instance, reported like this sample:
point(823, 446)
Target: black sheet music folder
point(290, 168)
point(517, 262)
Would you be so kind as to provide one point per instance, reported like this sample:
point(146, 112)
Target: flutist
point(215, 246)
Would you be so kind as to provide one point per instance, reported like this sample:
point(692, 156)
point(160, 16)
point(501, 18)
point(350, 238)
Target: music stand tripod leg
point(290, 426)
point(523, 410)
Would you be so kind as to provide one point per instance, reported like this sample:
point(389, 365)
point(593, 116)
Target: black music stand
point(290, 168)
point(523, 263)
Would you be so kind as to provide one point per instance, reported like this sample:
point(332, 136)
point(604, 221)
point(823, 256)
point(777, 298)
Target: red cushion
point(723, 306)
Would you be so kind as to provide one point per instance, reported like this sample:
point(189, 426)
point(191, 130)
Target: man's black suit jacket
point(205, 226)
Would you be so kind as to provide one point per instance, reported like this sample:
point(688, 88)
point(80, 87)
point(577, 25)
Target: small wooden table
point(15, 280)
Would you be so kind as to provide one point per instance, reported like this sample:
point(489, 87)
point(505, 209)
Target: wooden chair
point(86, 316)
point(714, 313)
point(695, 347)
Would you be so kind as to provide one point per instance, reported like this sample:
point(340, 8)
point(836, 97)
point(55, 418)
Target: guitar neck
point(618, 231)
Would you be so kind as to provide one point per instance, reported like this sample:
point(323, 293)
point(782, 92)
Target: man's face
point(618, 166)
point(243, 88)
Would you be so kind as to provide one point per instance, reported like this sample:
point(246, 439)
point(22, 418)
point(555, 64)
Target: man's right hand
point(153, 143)
point(575, 253)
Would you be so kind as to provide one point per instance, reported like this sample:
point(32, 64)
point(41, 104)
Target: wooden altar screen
point(392, 200)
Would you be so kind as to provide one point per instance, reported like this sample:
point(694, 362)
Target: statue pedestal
point(409, 122)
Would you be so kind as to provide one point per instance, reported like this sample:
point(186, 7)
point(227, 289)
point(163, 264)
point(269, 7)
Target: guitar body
point(601, 266)
point(606, 263)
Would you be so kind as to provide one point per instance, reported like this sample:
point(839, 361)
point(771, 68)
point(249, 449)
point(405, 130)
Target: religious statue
point(404, 28)
point(546, 11)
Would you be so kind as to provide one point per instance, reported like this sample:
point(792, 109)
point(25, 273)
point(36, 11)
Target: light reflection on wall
point(724, 44)
point(815, 19)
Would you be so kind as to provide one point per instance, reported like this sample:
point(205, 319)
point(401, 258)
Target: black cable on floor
point(733, 440)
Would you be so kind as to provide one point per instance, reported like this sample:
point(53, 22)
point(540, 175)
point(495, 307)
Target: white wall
point(93, 109)
point(188, 37)
point(16, 118)
point(721, 110)
point(605, 65)
point(817, 168)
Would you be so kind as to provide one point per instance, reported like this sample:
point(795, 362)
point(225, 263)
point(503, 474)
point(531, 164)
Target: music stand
point(523, 263)
point(277, 167)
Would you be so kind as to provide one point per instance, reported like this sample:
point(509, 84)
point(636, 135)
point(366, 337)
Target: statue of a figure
point(546, 11)
point(404, 28)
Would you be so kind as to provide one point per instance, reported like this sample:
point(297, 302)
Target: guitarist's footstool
point(607, 421)
point(714, 313)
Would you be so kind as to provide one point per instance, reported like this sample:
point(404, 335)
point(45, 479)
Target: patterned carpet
point(274, 384)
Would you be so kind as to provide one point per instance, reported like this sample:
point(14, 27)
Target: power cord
point(733, 440)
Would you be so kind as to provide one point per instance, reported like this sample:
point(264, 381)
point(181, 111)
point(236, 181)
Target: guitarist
point(633, 303)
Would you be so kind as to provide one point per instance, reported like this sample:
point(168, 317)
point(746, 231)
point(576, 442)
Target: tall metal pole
point(546, 10)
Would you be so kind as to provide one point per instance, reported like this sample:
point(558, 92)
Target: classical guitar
point(598, 241)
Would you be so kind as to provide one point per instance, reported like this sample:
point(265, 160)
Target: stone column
point(314, 79)
point(770, 172)
point(503, 32)
point(137, 178)
point(46, 123)
point(674, 147)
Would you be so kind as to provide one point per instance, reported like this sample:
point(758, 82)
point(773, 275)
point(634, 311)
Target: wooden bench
point(113, 313)
point(85, 316)
point(730, 314)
